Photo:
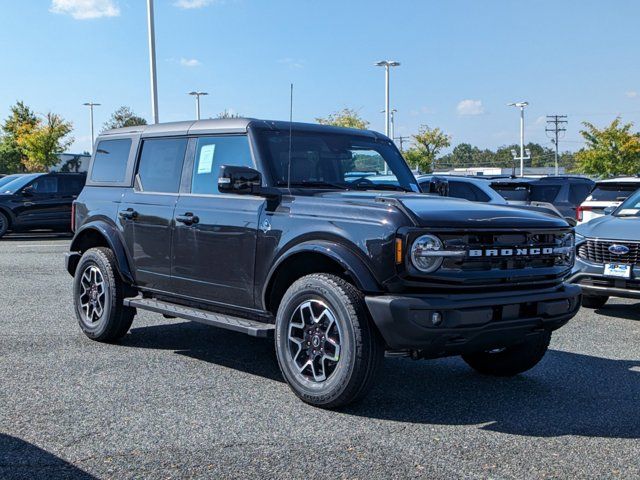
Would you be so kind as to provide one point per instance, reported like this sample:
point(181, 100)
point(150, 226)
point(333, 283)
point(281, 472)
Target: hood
point(612, 228)
point(446, 212)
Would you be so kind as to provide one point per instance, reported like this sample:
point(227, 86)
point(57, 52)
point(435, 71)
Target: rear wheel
point(594, 301)
point(4, 224)
point(328, 349)
point(98, 294)
point(510, 361)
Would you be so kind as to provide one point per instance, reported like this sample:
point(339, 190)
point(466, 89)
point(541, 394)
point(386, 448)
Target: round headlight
point(425, 253)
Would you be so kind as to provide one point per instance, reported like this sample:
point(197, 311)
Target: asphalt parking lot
point(177, 399)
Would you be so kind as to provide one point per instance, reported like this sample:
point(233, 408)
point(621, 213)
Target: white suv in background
point(606, 193)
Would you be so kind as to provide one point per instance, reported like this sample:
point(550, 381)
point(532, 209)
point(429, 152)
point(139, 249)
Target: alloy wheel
point(93, 291)
point(314, 340)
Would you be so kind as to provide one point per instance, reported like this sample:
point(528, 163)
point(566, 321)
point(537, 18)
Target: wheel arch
point(315, 257)
point(9, 214)
point(101, 234)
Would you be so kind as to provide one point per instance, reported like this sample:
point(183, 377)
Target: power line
point(401, 140)
point(556, 126)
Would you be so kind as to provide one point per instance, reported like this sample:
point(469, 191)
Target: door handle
point(187, 219)
point(128, 214)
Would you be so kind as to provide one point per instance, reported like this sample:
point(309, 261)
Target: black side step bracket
point(242, 325)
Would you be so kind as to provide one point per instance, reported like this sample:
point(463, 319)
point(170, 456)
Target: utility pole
point(392, 128)
point(91, 105)
point(152, 61)
point(401, 141)
point(556, 126)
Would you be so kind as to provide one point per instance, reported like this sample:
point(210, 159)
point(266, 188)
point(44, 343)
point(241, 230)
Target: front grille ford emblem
point(619, 249)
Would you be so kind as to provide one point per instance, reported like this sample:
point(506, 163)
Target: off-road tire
point(511, 360)
point(4, 224)
point(361, 346)
point(594, 301)
point(116, 319)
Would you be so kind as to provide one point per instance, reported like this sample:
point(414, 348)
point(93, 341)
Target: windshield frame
point(633, 198)
point(393, 157)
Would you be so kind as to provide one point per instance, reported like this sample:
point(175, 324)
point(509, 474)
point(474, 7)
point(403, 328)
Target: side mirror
point(609, 210)
point(239, 180)
point(28, 191)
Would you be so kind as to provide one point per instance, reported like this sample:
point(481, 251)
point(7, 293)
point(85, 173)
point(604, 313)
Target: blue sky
point(462, 61)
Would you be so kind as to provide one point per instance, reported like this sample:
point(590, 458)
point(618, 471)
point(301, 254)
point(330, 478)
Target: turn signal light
point(399, 253)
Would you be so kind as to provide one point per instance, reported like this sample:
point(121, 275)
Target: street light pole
point(387, 64)
point(91, 105)
point(197, 95)
point(521, 106)
point(152, 61)
point(392, 128)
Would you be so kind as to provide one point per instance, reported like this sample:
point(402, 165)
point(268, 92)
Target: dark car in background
point(565, 193)
point(608, 255)
point(38, 201)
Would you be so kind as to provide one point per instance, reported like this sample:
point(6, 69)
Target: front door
point(40, 204)
point(146, 212)
point(215, 234)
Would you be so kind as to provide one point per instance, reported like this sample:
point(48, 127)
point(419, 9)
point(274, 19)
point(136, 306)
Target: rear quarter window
point(110, 161)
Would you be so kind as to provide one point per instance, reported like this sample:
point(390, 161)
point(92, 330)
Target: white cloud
point(631, 94)
point(190, 62)
point(291, 62)
point(191, 4)
point(85, 9)
point(470, 107)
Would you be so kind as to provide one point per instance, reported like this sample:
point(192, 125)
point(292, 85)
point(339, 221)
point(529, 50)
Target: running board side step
point(242, 325)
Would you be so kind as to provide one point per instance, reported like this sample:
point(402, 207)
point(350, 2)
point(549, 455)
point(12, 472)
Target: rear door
point(70, 186)
point(215, 234)
point(40, 203)
point(146, 211)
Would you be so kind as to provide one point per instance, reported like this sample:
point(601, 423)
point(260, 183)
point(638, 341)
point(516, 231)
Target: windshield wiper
point(379, 186)
point(318, 184)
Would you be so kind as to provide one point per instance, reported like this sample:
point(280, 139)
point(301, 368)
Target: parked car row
point(38, 201)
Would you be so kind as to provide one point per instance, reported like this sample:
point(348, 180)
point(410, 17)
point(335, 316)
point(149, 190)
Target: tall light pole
point(152, 61)
point(387, 64)
point(392, 127)
point(197, 95)
point(91, 105)
point(521, 106)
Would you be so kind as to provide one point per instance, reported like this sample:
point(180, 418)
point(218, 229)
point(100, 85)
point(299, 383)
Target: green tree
point(347, 117)
point(228, 114)
point(612, 150)
point(42, 143)
point(123, 117)
point(21, 119)
point(429, 142)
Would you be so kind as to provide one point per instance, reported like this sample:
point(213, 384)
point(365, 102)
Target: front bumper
point(590, 276)
point(470, 323)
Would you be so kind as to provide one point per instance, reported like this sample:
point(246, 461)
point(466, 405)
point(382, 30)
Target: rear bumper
point(470, 322)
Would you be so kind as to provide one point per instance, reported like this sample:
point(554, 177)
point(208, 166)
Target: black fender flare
point(338, 252)
point(114, 241)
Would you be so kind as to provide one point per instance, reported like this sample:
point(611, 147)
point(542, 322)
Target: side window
point(211, 154)
point(578, 192)
point(45, 185)
point(160, 165)
point(461, 190)
point(71, 184)
point(110, 161)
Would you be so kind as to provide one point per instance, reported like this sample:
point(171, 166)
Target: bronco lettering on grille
point(511, 252)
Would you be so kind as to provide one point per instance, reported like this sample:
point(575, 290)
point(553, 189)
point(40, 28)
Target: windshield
point(629, 208)
point(7, 179)
point(334, 161)
point(612, 192)
point(19, 182)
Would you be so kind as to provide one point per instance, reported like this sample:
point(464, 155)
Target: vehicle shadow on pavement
point(20, 460)
point(22, 237)
point(255, 356)
point(624, 311)
point(566, 394)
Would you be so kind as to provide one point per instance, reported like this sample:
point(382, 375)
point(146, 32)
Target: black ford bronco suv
point(271, 228)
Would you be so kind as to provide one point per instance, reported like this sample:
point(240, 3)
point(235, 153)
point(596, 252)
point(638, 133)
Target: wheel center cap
point(315, 341)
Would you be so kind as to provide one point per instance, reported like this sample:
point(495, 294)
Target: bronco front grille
point(597, 251)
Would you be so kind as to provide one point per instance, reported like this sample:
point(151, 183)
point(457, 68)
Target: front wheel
point(4, 224)
point(327, 347)
point(98, 293)
point(510, 361)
